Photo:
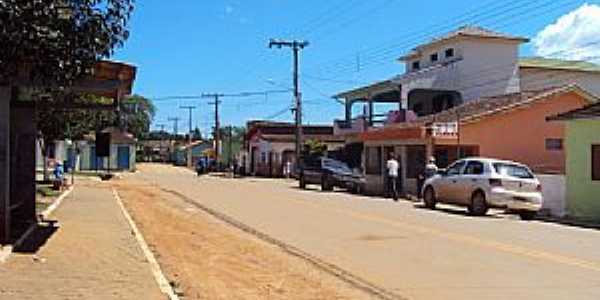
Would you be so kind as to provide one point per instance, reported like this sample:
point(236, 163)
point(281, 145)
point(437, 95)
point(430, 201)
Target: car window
point(474, 168)
point(455, 168)
point(513, 170)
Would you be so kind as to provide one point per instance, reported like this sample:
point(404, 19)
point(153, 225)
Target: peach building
point(511, 127)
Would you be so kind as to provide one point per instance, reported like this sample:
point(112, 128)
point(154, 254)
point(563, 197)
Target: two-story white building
point(464, 65)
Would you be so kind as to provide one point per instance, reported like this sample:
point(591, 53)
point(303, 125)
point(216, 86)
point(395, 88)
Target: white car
point(481, 183)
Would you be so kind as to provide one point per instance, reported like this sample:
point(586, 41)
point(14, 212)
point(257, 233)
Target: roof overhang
point(368, 91)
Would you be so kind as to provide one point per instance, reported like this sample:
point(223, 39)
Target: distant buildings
point(270, 145)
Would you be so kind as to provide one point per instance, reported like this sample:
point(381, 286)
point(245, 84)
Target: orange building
point(519, 131)
point(511, 127)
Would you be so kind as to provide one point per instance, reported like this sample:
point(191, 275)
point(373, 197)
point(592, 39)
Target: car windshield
point(330, 163)
point(512, 170)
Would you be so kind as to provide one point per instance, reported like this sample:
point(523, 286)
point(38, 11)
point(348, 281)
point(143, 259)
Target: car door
point(447, 189)
point(469, 180)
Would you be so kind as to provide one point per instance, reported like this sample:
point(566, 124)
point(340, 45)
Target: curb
point(159, 276)
point(6, 252)
point(50, 209)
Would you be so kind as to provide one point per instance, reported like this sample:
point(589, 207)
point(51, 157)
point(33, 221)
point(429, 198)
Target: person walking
point(392, 172)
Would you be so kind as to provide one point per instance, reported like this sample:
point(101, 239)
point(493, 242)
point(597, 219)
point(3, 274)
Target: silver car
point(481, 183)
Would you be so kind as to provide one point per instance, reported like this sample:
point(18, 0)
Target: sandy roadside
point(208, 259)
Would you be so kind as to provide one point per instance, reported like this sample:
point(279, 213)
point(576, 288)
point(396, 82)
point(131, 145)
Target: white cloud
point(575, 35)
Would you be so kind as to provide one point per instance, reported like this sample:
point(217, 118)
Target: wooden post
point(5, 97)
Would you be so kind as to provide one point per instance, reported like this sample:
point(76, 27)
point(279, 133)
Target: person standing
point(431, 168)
point(392, 172)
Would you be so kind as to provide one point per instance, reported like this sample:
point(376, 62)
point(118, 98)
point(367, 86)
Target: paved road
point(414, 252)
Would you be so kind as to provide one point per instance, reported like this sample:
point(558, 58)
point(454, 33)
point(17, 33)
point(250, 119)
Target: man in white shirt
point(392, 172)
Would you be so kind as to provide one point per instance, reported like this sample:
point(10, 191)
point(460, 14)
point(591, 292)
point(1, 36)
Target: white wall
point(538, 78)
point(482, 68)
point(554, 192)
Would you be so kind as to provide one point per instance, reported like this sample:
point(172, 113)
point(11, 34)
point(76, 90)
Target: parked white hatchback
point(483, 183)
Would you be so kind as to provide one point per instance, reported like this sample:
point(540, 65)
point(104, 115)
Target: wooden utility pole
point(296, 46)
point(189, 150)
point(175, 132)
point(230, 147)
point(162, 138)
point(175, 125)
point(217, 134)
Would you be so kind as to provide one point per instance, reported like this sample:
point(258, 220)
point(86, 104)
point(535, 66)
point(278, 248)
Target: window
point(449, 52)
point(263, 157)
point(554, 144)
point(513, 170)
point(433, 57)
point(596, 162)
point(373, 160)
point(416, 65)
point(455, 168)
point(474, 168)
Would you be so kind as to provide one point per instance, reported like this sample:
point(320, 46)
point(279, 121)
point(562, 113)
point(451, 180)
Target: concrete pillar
point(349, 111)
point(5, 96)
point(404, 163)
point(371, 111)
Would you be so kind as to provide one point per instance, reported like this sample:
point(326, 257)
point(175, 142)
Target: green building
point(582, 144)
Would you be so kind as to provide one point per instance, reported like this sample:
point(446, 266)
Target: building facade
point(269, 146)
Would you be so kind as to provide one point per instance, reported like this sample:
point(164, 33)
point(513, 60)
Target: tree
point(196, 134)
point(51, 43)
point(138, 113)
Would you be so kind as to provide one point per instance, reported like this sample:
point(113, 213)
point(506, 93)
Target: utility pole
point(161, 142)
point(230, 147)
point(175, 124)
point(217, 134)
point(189, 150)
point(296, 46)
point(175, 130)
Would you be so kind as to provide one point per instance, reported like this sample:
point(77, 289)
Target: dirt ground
point(209, 259)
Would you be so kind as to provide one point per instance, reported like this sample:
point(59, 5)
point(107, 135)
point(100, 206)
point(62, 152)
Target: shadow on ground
point(37, 239)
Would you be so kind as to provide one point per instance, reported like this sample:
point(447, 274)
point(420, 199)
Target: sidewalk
point(92, 255)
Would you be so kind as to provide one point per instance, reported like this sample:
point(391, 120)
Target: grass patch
point(47, 191)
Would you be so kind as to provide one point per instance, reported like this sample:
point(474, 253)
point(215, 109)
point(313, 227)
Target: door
point(123, 157)
point(448, 187)
point(469, 181)
point(93, 158)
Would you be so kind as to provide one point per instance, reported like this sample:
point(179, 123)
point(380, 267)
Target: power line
point(382, 53)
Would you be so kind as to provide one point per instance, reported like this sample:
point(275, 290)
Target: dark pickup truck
point(330, 173)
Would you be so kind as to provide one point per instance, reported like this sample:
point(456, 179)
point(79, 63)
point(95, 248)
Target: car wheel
point(326, 184)
point(429, 198)
point(302, 182)
point(478, 205)
point(527, 215)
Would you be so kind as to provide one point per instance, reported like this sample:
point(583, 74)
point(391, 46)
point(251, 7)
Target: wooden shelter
point(18, 134)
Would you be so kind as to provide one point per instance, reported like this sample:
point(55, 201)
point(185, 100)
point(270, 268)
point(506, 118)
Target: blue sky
point(189, 47)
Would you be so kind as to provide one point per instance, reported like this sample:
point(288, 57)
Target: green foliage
point(57, 124)
point(53, 42)
point(315, 148)
point(138, 113)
